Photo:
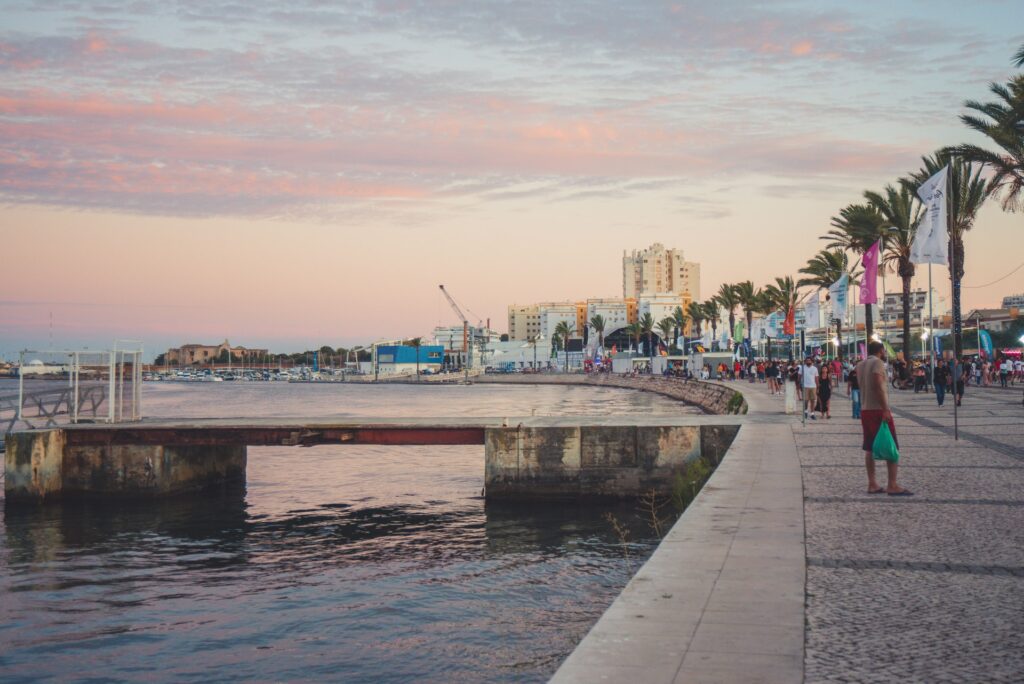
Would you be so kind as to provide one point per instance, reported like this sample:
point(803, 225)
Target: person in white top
point(809, 383)
point(1005, 371)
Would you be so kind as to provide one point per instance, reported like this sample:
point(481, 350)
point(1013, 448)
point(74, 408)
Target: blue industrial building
point(394, 358)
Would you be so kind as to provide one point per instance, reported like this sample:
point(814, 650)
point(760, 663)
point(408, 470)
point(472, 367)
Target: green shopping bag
point(884, 446)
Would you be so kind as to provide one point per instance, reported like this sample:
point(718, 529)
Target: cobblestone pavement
point(928, 588)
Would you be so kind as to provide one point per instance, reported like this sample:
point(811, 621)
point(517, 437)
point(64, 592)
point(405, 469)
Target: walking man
point(809, 382)
point(942, 380)
point(874, 411)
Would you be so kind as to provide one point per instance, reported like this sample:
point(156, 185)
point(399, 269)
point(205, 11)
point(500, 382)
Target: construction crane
point(466, 348)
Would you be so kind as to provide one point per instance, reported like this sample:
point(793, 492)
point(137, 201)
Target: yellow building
point(197, 354)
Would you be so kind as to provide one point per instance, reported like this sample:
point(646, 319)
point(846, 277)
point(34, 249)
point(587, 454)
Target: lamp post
point(924, 336)
point(534, 340)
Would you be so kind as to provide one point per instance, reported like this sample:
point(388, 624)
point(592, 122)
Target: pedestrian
point(961, 382)
point(791, 378)
point(809, 383)
point(825, 391)
point(875, 411)
point(1005, 369)
point(853, 389)
point(941, 382)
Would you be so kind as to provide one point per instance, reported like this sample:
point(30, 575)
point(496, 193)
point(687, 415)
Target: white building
point(659, 270)
point(1013, 301)
point(615, 312)
point(552, 315)
point(892, 306)
point(660, 305)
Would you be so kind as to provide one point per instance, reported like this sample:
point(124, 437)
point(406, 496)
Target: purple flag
point(869, 283)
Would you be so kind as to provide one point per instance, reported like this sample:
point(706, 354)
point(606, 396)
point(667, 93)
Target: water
point(343, 563)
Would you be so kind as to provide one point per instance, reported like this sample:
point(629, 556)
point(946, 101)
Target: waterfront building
point(1014, 301)
point(196, 354)
point(892, 307)
point(993, 320)
point(662, 304)
point(657, 270)
point(400, 359)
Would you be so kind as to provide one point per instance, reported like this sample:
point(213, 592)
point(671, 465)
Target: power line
point(975, 287)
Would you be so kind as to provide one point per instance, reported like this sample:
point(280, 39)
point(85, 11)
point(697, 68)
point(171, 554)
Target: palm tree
point(965, 197)
point(782, 296)
point(764, 304)
point(824, 269)
point(416, 343)
point(1002, 122)
point(597, 322)
point(727, 298)
point(679, 319)
point(665, 327)
point(750, 299)
point(902, 213)
point(646, 323)
point(634, 330)
point(1018, 58)
point(712, 316)
point(565, 330)
point(856, 229)
point(696, 313)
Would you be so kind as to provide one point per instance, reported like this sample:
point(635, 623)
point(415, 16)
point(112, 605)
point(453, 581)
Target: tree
point(856, 229)
point(781, 296)
point(598, 323)
point(679, 318)
point(416, 343)
point(822, 270)
point(1002, 122)
point(727, 298)
point(750, 299)
point(665, 327)
point(967, 192)
point(647, 328)
point(565, 330)
point(712, 316)
point(634, 331)
point(696, 312)
point(902, 213)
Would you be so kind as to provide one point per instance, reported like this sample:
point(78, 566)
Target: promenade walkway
point(785, 570)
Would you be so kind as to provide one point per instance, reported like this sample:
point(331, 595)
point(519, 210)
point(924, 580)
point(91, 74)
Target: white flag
point(837, 292)
point(812, 317)
point(930, 240)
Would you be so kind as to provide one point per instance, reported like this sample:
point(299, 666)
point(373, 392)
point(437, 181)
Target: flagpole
point(956, 319)
point(931, 325)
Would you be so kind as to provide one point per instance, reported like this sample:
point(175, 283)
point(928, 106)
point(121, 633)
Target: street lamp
point(534, 340)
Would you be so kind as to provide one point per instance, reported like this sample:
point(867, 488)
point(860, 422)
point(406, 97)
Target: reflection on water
point(335, 563)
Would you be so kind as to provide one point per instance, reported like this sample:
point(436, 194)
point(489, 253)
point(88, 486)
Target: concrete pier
point(563, 457)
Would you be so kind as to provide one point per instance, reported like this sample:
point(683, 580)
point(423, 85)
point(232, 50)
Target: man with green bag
point(876, 422)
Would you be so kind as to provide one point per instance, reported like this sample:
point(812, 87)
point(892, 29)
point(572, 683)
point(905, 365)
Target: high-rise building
point(657, 270)
point(1011, 301)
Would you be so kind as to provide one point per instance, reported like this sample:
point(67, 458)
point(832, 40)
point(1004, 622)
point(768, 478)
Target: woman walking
point(825, 390)
point(790, 377)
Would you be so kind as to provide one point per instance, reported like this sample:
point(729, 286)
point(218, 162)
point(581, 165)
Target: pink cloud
point(804, 47)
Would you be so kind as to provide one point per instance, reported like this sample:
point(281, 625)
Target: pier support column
point(41, 466)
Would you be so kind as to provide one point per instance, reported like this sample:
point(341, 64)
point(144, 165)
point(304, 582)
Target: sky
point(288, 175)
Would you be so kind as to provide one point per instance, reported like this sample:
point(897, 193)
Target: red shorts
point(871, 422)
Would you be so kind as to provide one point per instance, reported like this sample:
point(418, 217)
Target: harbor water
point(339, 563)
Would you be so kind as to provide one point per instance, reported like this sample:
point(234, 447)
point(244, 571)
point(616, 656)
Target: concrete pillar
point(608, 461)
point(40, 466)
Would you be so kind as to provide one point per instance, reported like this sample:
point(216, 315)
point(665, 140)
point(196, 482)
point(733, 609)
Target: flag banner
point(937, 344)
point(986, 344)
point(737, 331)
point(812, 313)
point(771, 325)
point(838, 292)
point(869, 283)
point(930, 239)
point(889, 350)
point(862, 349)
point(789, 325)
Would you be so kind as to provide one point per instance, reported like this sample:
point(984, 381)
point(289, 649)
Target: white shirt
point(809, 376)
point(1007, 366)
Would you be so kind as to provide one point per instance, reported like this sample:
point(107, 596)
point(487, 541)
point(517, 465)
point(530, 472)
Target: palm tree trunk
point(906, 318)
point(869, 323)
point(957, 252)
point(839, 336)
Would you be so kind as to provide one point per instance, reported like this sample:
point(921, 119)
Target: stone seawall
point(711, 397)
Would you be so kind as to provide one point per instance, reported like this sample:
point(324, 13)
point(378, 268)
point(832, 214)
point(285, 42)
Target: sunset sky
point(306, 173)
